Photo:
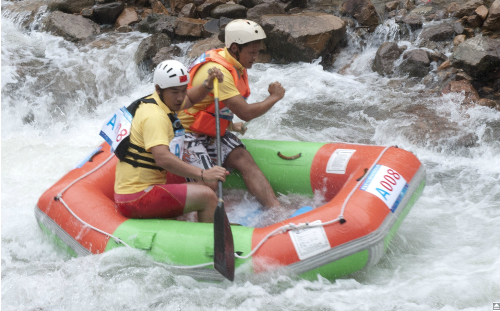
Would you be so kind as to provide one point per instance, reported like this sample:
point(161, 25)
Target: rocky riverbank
point(458, 43)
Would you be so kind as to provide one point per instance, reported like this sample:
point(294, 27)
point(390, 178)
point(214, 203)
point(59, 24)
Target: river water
point(446, 255)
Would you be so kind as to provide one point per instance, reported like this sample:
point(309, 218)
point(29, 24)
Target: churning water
point(446, 255)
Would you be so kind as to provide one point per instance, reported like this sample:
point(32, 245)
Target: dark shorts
point(157, 201)
point(201, 150)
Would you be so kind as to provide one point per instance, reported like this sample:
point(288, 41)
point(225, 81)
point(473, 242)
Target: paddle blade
point(223, 243)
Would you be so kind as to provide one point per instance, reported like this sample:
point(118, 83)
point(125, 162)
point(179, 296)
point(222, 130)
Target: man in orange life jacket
point(141, 189)
point(243, 42)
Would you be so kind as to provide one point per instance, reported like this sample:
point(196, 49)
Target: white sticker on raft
point(338, 161)
point(386, 184)
point(309, 242)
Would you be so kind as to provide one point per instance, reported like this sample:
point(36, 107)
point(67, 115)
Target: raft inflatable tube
point(368, 189)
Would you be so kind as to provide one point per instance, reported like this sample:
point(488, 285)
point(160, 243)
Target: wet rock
point(437, 57)
point(444, 65)
point(452, 8)
point(439, 32)
point(391, 6)
point(468, 8)
point(482, 12)
point(107, 13)
point(159, 8)
point(158, 23)
point(458, 40)
point(71, 27)
point(458, 27)
point(489, 103)
point(257, 11)
point(229, 10)
point(247, 3)
point(293, 4)
point(302, 37)
point(189, 10)
point(207, 7)
point(362, 10)
point(88, 13)
point(416, 63)
point(422, 10)
point(465, 87)
point(165, 53)
point(212, 26)
point(478, 56)
point(123, 28)
point(469, 32)
point(386, 54)
point(414, 21)
point(127, 17)
point(474, 21)
point(178, 5)
point(408, 4)
point(463, 76)
point(70, 6)
point(189, 27)
point(148, 48)
point(204, 45)
point(493, 20)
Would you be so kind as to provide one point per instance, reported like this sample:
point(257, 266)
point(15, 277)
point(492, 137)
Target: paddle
point(223, 237)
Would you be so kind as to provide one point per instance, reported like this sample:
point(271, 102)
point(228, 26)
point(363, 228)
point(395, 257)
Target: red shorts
point(157, 201)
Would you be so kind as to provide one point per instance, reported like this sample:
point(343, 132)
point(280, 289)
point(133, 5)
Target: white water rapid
point(446, 255)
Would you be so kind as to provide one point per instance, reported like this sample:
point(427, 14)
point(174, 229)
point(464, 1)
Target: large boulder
point(158, 23)
point(464, 87)
point(492, 22)
point(386, 55)
point(439, 32)
point(108, 13)
point(414, 21)
point(178, 5)
point(207, 7)
point(70, 6)
point(158, 7)
point(302, 37)
point(189, 10)
point(468, 8)
point(257, 11)
point(148, 48)
point(478, 57)
point(127, 17)
point(71, 27)
point(416, 63)
point(189, 27)
point(362, 10)
point(229, 10)
point(204, 45)
point(166, 53)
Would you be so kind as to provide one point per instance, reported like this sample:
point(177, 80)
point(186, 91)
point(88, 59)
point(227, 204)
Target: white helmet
point(242, 31)
point(170, 73)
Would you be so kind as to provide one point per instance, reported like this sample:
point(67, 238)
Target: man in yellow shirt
point(243, 43)
point(141, 188)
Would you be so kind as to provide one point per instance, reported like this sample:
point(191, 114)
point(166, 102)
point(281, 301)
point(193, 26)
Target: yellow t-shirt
point(227, 88)
point(151, 127)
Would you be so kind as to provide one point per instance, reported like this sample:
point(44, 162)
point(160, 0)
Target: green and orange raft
point(368, 189)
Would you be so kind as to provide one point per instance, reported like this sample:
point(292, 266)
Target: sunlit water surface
point(55, 96)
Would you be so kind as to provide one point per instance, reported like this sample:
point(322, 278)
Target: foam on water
point(55, 95)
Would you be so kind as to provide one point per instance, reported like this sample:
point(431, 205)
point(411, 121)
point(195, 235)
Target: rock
point(468, 32)
point(158, 23)
point(437, 57)
point(452, 8)
point(391, 6)
point(489, 103)
point(207, 7)
point(468, 8)
point(302, 37)
point(444, 65)
point(458, 27)
point(416, 63)
point(71, 27)
point(70, 6)
point(465, 87)
point(408, 4)
point(124, 28)
point(108, 13)
point(414, 21)
point(204, 45)
point(87, 13)
point(292, 4)
point(362, 10)
point(127, 17)
point(229, 10)
point(212, 26)
point(159, 8)
point(422, 10)
point(165, 53)
point(492, 22)
point(148, 48)
point(478, 56)
point(178, 5)
point(463, 76)
point(189, 27)
point(474, 21)
point(189, 10)
point(246, 3)
point(387, 53)
point(438, 32)
point(482, 12)
point(458, 39)
point(257, 11)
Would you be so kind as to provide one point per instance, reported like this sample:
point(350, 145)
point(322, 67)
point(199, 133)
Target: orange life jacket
point(205, 119)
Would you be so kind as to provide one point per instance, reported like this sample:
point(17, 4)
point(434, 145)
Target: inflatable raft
point(368, 192)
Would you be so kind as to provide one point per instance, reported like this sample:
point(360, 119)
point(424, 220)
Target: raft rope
point(292, 226)
point(280, 230)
